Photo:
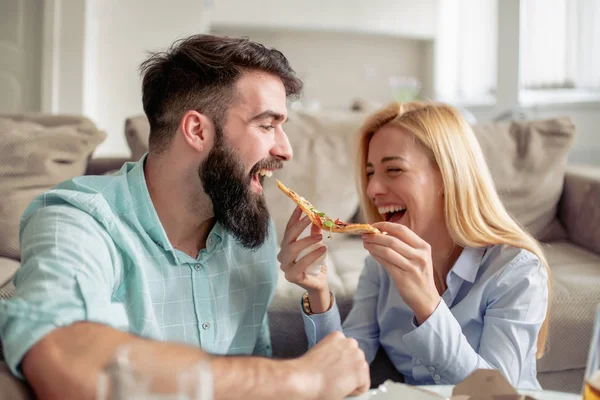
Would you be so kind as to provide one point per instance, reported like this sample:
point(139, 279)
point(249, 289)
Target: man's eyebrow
point(269, 114)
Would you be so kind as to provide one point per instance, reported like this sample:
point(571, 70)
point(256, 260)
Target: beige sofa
point(559, 203)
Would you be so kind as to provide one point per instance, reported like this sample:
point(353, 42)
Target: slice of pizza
point(323, 221)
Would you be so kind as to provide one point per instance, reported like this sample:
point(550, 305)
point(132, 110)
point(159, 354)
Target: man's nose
point(282, 149)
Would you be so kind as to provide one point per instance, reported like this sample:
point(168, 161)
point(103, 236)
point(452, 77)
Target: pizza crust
point(317, 217)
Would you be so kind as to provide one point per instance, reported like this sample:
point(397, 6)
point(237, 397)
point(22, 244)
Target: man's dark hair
point(199, 73)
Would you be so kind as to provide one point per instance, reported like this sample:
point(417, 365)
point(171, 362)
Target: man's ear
point(198, 130)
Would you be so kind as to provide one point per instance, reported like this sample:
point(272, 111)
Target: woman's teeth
point(390, 209)
point(265, 172)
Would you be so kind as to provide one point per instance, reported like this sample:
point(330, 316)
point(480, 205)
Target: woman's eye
point(369, 174)
point(267, 127)
point(394, 170)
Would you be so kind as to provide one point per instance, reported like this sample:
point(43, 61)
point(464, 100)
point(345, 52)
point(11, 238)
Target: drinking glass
point(132, 374)
point(591, 389)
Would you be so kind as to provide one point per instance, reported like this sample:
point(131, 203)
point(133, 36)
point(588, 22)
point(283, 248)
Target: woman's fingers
point(386, 255)
point(298, 269)
point(392, 242)
point(293, 231)
point(315, 230)
point(286, 258)
point(403, 233)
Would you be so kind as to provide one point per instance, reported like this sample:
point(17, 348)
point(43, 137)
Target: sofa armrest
point(579, 207)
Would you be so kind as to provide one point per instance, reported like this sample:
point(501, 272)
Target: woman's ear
point(198, 130)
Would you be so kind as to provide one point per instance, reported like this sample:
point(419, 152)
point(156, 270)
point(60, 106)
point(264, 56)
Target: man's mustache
point(272, 163)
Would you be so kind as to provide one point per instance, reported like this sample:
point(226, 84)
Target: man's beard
point(241, 211)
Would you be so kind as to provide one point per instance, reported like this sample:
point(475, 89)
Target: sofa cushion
point(575, 274)
point(38, 152)
point(8, 267)
point(528, 160)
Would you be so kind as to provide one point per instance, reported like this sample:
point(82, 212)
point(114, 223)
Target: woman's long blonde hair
point(475, 215)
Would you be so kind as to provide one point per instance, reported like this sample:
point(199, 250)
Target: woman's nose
point(375, 187)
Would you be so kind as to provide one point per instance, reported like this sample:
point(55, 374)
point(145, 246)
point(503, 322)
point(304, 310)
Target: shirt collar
point(144, 208)
point(468, 263)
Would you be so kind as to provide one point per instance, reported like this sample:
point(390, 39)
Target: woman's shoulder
point(505, 260)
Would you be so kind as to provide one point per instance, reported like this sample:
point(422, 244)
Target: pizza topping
point(340, 223)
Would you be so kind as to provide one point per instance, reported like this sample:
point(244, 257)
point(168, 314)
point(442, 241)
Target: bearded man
point(176, 252)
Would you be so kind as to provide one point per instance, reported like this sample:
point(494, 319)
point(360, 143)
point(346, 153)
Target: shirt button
point(431, 369)
point(437, 378)
point(205, 325)
point(210, 241)
point(197, 266)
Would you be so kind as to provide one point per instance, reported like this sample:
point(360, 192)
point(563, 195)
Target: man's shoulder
point(95, 195)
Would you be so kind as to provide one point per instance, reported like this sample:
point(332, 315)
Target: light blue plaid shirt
point(93, 249)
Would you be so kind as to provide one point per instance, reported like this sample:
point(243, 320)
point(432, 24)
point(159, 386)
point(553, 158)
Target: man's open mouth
point(259, 177)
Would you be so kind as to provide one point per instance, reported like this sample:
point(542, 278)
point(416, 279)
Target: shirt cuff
point(317, 326)
point(433, 342)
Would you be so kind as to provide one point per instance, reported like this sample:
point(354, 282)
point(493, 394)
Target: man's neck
point(183, 208)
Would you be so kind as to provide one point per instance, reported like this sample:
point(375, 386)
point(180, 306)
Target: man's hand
point(334, 368)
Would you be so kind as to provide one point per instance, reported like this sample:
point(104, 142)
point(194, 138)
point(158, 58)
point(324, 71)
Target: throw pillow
point(528, 161)
point(37, 153)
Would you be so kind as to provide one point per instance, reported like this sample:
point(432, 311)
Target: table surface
point(446, 390)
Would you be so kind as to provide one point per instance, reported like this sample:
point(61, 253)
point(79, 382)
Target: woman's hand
point(295, 269)
point(407, 258)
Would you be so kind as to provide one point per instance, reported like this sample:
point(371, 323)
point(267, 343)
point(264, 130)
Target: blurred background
point(495, 59)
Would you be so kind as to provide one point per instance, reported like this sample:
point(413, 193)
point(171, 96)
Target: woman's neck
point(444, 253)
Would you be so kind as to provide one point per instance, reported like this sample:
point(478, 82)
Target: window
point(560, 44)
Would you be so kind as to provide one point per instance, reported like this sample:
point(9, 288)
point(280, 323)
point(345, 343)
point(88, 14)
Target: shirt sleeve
point(317, 326)
point(361, 323)
point(67, 274)
point(515, 310)
point(263, 343)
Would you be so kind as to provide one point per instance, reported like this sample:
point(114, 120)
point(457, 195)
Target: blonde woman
point(456, 284)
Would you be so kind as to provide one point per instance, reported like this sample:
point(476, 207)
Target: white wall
point(406, 18)
point(118, 35)
point(337, 68)
point(20, 55)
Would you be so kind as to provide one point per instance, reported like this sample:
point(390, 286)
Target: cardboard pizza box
point(486, 384)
